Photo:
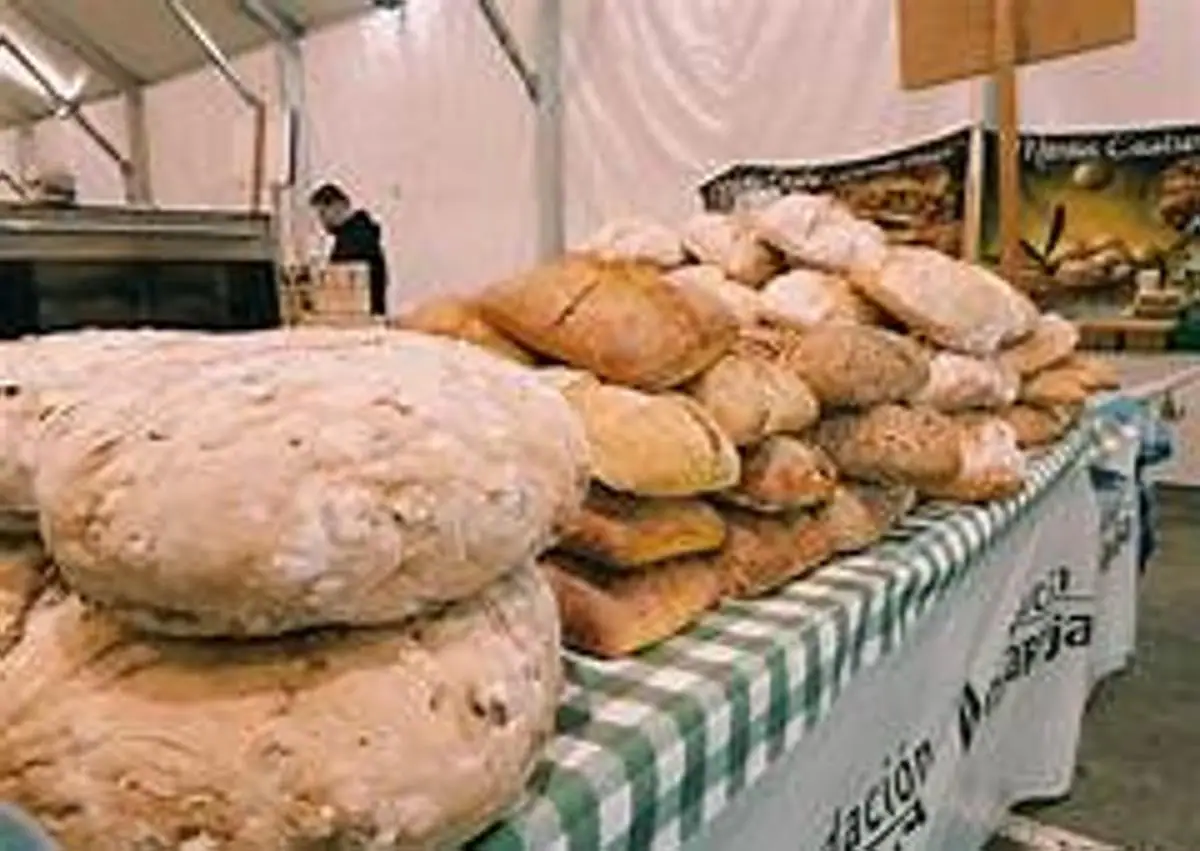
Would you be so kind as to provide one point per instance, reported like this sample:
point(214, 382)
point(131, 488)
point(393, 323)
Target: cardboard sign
point(946, 40)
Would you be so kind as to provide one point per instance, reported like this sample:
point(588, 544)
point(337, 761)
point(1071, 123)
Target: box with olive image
point(1109, 221)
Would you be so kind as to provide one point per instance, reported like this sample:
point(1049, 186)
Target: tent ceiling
point(92, 46)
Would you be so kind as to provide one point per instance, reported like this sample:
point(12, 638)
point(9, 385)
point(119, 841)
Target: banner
point(1103, 215)
point(916, 193)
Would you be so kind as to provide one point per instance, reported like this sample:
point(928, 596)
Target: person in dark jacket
point(356, 238)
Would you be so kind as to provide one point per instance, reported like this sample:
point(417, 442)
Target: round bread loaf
point(410, 738)
point(284, 489)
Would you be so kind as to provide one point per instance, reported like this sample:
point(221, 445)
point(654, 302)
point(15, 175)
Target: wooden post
point(1005, 52)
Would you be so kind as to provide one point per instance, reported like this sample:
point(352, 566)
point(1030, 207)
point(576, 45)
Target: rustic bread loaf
point(1036, 427)
point(652, 445)
point(742, 302)
point(23, 570)
point(850, 366)
point(459, 319)
point(730, 244)
point(279, 491)
point(1070, 382)
point(959, 306)
point(893, 444)
point(783, 473)
point(752, 396)
point(860, 514)
point(413, 737)
point(962, 383)
point(622, 321)
point(630, 533)
point(637, 240)
point(822, 233)
point(1052, 341)
point(611, 615)
point(805, 298)
point(993, 468)
point(763, 553)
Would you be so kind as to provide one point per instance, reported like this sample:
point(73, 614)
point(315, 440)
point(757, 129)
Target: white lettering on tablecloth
point(891, 809)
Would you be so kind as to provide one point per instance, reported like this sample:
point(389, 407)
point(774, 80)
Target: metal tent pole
point(551, 193)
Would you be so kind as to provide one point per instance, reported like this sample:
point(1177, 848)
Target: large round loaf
point(409, 738)
point(291, 488)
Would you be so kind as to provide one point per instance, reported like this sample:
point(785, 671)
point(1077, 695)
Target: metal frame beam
point(512, 51)
point(267, 14)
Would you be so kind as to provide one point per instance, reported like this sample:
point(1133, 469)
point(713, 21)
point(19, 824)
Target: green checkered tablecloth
point(650, 750)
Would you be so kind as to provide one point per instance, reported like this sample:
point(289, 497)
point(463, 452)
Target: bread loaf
point(783, 474)
point(850, 366)
point(730, 244)
point(1052, 341)
point(763, 553)
point(961, 383)
point(893, 444)
point(412, 738)
point(653, 445)
point(622, 321)
point(23, 569)
point(993, 466)
point(959, 306)
point(294, 489)
point(822, 233)
point(804, 298)
point(610, 615)
point(751, 396)
point(1071, 382)
point(629, 533)
point(459, 319)
point(860, 514)
point(636, 240)
point(742, 302)
point(1036, 427)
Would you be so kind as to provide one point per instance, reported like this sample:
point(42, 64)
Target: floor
point(1139, 774)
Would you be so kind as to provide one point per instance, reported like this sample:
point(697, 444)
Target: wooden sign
point(946, 40)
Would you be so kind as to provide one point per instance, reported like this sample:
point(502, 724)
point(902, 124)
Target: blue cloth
point(19, 832)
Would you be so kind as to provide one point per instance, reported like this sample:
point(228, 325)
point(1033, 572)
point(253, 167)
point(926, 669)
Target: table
point(900, 699)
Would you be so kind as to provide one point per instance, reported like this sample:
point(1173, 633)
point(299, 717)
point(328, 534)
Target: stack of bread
point(763, 391)
point(286, 592)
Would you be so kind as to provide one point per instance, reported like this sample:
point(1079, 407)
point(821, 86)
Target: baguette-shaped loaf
point(289, 489)
point(408, 738)
point(622, 321)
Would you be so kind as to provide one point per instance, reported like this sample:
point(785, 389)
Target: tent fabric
point(426, 124)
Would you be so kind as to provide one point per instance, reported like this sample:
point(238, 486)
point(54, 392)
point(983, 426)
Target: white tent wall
point(428, 126)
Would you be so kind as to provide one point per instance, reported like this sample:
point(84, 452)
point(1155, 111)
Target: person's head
point(331, 204)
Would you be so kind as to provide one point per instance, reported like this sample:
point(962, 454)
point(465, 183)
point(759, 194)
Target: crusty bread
point(994, 466)
point(459, 319)
point(23, 569)
point(752, 396)
point(821, 233)
point(849, 366)
point(1036, 427)
point(893, 444)
point(636, 240)
point(1070, 382)
point(805, 298)
point(730, 244)
point(959, 306)
point(291, 489)
point(860, 514)
point(1052, 341)
point(783, 474)
point(742, 302)
point(962, 383)
point(653, 445)
point(630, 533)
point(411, 738)
point(622, 321)
point(763, 553)
point(611, 615)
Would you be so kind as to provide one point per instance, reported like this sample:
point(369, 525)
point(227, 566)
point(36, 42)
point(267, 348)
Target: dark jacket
point(357, 240)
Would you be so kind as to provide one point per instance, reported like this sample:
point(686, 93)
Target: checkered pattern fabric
point(649, 750)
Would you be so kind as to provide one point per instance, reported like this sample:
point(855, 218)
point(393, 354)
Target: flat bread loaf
point(763, 553)
point(412, 738)
point(622, 321)
point(959, 306)
point(298, 488)
point(631, 533)
point(849, 366)
point(893, 444)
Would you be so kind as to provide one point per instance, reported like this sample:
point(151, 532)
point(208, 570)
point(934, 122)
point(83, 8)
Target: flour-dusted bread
point(805, 298)
point(731, 244)
point(412, 737)
point(860, 514)
point(751, 395)
point(822, 233)
point(23, 570)
point(622, 321)
point(637, 240)
point(959, 306)
point(742, 302)
point(849, 366)
point(962, 383)
point(623, 532)
point(320, 486)
point(783, 473)
point(653, 444)
point(994, 467)
point(1070, 382)
point(459, 319)
point(1036, 427)
point(893, 444)
point(1052, 341)
point(613, 615)
point(763, 553)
